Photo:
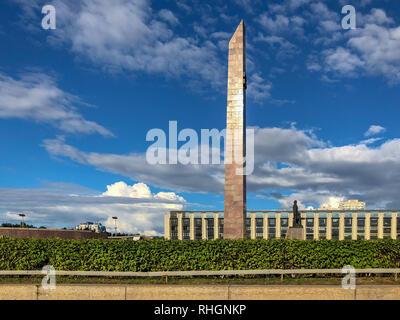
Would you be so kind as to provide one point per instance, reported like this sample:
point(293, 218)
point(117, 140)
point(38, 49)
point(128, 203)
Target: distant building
point(352, 205)
point(345, 205)
point(95, 227)
point(274, 224)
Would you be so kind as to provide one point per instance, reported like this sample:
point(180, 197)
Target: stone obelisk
point(235, 180)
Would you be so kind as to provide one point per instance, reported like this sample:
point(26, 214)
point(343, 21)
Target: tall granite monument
point(235, 180)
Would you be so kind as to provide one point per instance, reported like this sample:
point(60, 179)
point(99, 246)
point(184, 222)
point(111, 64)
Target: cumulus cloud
point(126, 35)
point(36, 96)
point(370, 50)
point(137, 208)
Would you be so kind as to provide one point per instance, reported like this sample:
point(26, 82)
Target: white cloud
point(137, 208)
point(274, 25)
point(258, 88)
point(370, 50)
point(285, 159)
point(370, 141)
point(285, 48)
point(121, 189)
point(128, 35)
point(342, 61)
point(35, 96)
point(373, 130)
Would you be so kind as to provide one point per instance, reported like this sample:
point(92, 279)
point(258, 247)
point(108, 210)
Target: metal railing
point(281, 272)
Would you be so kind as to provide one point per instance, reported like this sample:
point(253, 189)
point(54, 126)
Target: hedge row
point(163, 255)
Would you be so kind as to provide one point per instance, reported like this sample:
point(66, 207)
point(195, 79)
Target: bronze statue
point(296, 215)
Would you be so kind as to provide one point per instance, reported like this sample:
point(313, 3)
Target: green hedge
point(162, 255)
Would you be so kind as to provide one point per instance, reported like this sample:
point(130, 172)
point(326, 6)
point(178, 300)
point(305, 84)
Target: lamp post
point(115, 224)
point(22, 219)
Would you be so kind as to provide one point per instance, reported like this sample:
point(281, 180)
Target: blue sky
point(76, 104)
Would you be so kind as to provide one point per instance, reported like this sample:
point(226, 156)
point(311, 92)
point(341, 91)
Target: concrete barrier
point(196, 292)
point(293, 292)
point(177, 292)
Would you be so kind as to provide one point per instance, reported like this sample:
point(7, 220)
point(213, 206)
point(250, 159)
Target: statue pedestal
point(295, 233)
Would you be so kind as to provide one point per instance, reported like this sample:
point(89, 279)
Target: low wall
point(50, 233)
point(196, 292)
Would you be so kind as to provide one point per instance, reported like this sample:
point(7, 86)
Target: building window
point(387, 226)
point(210, 228)
point(221, 228)
point(360, 228)
point(197, 229)
point(284, 227)
point(186, 228)
point(335, 228)
point(348, 228)
point(271, 228)
point(248, 228)
point(174, 228)
point(309, 228)
point(322, 228)
point(374, 228)
point(259, 228)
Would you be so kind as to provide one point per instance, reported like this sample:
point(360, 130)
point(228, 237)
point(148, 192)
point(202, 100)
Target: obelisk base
point(295, 233)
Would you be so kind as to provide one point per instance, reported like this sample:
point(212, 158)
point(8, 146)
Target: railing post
point(265, 226)
point(329, 226)
point(354, 226)
point(393, 227)
point(277, 226)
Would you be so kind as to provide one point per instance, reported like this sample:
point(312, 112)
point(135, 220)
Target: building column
point(167, 226)
point(380, 225)
point(290, 217)
point(265, 226)
point(354, 226)
point(180, 226)
point(316, 226)
point(393, 228)
point(204, 226)
point(329, 226)
point(216, 226)
point(304, 224)
point(278, 226)
point(367, 226)
point(191, 226)
point(341, 226)
point(252, 226)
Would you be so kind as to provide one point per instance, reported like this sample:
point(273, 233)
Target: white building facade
point(337, 224)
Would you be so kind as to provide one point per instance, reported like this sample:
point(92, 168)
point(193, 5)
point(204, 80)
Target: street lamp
point(115, 224)
point(22, 217)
